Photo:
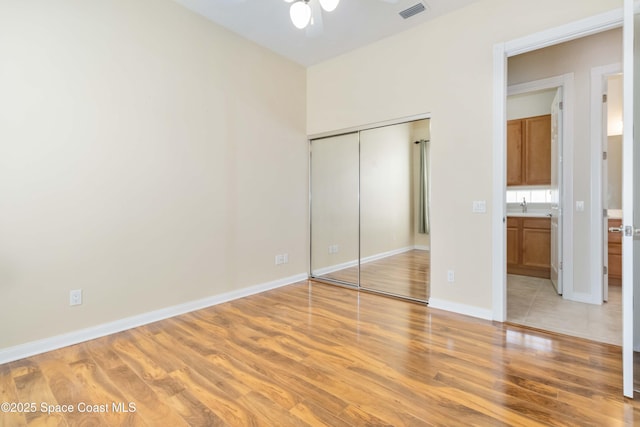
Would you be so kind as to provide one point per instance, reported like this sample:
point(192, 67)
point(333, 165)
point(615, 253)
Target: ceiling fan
point(308, 13)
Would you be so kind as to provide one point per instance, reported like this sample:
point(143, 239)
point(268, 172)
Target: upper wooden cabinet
point(529, 151)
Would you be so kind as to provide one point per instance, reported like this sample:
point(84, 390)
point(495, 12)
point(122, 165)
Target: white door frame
point(598, 76)
point(629, 318)
point(564, 81)
point(501, 52)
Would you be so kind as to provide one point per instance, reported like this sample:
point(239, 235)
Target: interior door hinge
point(604, 155)
point(604, 98)
point(605, 213)
point(606, 270)
point(561, 105)
point(561, 265)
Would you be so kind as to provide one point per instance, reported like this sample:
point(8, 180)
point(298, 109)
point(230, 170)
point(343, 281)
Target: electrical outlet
point(450, 276)
point(479, 206)
point(75, 297)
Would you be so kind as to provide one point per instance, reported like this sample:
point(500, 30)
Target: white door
point(556, 186)
point(630, 245)
point(605, 195)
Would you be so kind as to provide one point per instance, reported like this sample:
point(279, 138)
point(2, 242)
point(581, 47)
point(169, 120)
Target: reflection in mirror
point(394, 209)
point(334, 208)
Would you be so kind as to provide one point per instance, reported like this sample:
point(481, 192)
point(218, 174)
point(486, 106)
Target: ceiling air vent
point(413, 10)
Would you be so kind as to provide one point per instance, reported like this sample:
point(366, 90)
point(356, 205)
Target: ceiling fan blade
point(316, 26)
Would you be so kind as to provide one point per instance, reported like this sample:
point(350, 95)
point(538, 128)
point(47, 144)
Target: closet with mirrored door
point(370, 224)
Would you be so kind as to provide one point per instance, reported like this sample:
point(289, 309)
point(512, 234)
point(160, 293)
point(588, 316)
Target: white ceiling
point(353, 24)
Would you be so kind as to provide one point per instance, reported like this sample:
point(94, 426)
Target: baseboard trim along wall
point(467, 310)
point(59, 341)
point(364, 260)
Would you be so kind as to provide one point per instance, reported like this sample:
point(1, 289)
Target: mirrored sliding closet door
point(334, 209)
point(385, 170)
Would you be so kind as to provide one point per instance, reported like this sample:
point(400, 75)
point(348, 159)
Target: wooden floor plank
point(8, 394)
point(315, 354)
point(405, 274)
point(98, 386)
point(32, 387)
point(64, 386)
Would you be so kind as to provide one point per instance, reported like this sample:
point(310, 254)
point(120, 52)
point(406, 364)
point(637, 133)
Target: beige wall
point(147, 157)
point(577, 57)
point(614, 148)
point(386, 202)
point(614, 104)
point(614, 172)
point(530, 104)
point(444, 67)
point(334, 202)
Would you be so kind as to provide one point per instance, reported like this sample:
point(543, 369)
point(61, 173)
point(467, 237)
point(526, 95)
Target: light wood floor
point(405, 274)
point(316, 354)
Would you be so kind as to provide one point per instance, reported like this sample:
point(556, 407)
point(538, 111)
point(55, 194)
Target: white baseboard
point(21, 351)
point(381, 255)
point(422, 248)
point(467, 310)
point(582, 297)
point(330, 269)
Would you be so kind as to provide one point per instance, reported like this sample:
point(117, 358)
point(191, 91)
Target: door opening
point(611, 136)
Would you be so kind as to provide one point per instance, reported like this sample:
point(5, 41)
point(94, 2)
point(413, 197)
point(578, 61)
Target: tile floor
point(534, 302)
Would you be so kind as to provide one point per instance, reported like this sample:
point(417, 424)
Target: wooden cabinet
point(615, 254)
point(529, 246)
point(529, 151)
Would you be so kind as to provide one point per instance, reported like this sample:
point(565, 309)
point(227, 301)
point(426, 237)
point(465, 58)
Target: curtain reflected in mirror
point(370, 219)
point(334, 209)
point(394, 209)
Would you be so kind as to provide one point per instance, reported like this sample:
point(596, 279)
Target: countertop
point(534, 214)
point(614, 213)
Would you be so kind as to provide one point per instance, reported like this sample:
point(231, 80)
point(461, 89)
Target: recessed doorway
point(565, 299)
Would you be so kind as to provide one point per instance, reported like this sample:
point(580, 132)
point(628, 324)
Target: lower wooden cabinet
point(529, 246)
point(615, 254)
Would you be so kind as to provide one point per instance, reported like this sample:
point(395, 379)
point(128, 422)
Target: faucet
point(524, 205)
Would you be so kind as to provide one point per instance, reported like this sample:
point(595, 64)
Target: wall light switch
point(75, 297)
point(479, 206)
point(580, 206)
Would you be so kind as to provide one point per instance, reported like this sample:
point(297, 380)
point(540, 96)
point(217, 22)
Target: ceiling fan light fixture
point(329, 5)
point(300, 13)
